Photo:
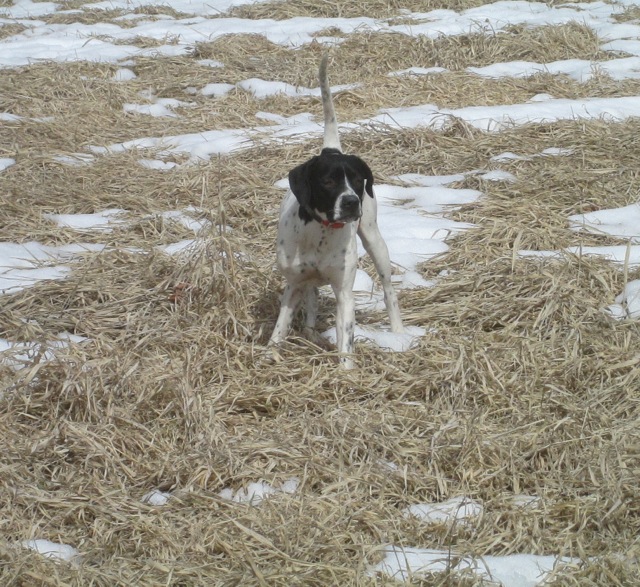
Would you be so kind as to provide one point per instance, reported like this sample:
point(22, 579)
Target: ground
point(521, 398)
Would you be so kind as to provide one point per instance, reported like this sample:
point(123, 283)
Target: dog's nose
point(350, 203)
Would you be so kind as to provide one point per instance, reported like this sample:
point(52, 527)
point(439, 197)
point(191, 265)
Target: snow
point(498, 175)
point(413, 220)
point(99, 221)
point(75, 159)
point(581, 70)
point(204, 145)
point(264, 89)
point(417, 71)
point(124, 74)
point(181, 248)
point(19, 355)
point(185, 218)
point(105, 220)
point(414, 214)
point(157, 164)
point(389, 341)
point(217, 90)
point(77, 41)
point(52, 550)
point(210, 63)
point(496, 118)
point(624, 255)
point(428, 180)
point(156, 110)
point(28, 9)
point(523, 501)
point(156, 498)
point(6, 162)
point(456, 509)
point(256, 492)
point(516, 570)
point(24, 264)
point(620, 222)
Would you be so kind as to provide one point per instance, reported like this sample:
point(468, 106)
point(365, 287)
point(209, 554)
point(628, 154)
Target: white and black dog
point(330, 200)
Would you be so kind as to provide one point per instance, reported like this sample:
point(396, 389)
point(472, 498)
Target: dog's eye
point(329, 183)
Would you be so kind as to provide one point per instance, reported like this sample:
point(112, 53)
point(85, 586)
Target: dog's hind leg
point(379, 253)
point(311, 311)
point(311, 314)
point(375, 246)
point(290, 301)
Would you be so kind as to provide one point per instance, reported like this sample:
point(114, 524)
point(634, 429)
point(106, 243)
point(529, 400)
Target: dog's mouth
point(346, 214)
point(348, 218)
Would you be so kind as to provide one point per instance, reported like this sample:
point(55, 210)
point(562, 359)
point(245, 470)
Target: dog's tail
point(331, 138)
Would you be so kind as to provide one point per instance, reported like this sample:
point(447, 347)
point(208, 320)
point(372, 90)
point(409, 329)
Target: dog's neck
point(310, 214)
point(332, 224)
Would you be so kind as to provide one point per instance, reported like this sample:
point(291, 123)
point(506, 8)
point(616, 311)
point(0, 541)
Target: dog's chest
point(312, 251)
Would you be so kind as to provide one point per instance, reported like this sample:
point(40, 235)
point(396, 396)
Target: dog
point(330, 200)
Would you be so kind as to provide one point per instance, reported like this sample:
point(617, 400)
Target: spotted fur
point(330, 200)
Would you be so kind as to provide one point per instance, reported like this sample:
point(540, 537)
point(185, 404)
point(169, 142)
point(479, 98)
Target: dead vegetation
point(522, 385)
point(283, 9)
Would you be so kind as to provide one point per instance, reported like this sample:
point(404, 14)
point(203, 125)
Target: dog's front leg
point(345, 320)
point(290, 300)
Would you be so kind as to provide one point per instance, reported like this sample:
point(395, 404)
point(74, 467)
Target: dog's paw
point(315, 338)
point(346, 363)
point(267, 356)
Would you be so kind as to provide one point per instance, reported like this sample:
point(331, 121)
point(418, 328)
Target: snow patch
point(99, 221)
point(6, 162)
point(255, 493)
point(52, 550)
point(18, 355)
point(516, 570)
point(395, 342)
point(22, 265)
point(457, 509)
point(620, 222)
point(156, 498)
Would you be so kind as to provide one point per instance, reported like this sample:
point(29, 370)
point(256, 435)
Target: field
point(133, 343)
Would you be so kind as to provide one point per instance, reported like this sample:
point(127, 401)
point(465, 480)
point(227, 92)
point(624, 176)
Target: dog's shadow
point(266, 311)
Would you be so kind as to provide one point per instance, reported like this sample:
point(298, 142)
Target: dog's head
point(331, 186)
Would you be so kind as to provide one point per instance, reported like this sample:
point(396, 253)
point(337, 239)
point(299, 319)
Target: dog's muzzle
point(349, 209)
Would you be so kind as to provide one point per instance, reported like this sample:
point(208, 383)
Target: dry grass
point(62, 94)
point(8, 30)
point(284, 9)
point(630, 13)
point(522, 386)
point(87, 17)
point(364, 55)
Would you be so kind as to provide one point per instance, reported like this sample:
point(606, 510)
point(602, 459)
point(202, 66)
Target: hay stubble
point(523, 386)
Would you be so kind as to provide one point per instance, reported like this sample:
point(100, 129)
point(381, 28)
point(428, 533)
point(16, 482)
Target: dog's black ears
point(300, 184)
point(364, 170)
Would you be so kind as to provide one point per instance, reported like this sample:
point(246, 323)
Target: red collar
point(333, 224)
